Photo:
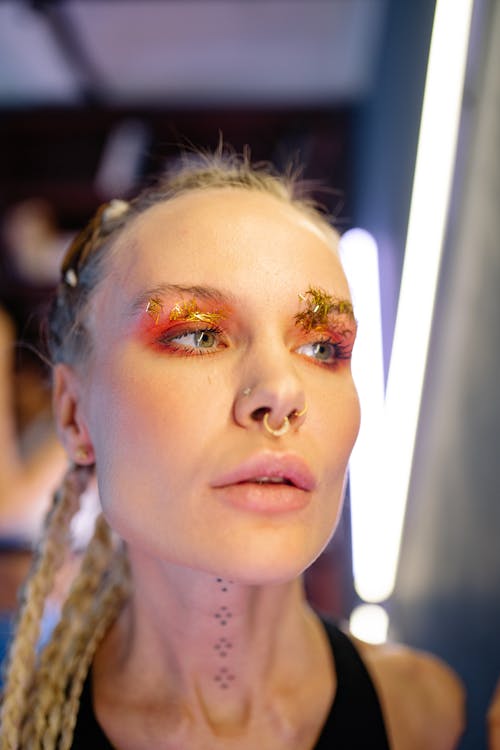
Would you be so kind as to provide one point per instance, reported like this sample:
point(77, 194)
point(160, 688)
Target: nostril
point(258, 414)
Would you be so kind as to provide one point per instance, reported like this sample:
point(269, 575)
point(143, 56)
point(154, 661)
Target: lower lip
point(268, 499)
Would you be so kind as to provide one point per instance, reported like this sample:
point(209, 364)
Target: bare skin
point(422, 699)
point(233, 683)
point(267, 700)
point(493, 721)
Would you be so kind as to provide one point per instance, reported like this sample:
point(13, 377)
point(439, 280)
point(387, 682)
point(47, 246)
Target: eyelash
point(168, 340)
point(340, 351)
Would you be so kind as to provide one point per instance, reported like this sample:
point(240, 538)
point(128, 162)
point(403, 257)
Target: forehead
point(225, 234)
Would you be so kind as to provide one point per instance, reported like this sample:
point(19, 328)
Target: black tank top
point(355, 721)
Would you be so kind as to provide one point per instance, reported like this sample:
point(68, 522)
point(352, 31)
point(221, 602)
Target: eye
point(205, 339)
point(322, 351)
point(190, 341)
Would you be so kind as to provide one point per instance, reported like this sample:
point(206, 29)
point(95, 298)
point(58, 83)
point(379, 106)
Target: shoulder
point(493, 721)
point(422, 699)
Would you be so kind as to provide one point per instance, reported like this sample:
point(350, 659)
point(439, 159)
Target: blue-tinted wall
point(447, 596)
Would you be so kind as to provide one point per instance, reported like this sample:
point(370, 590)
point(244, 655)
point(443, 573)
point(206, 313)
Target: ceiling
point(96, 95)
point(188, 52)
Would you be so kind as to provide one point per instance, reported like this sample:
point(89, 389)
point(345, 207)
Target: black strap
point(88, 734)
point(355, 721)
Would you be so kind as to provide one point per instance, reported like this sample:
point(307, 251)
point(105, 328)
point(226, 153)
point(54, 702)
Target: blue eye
point(322, 351)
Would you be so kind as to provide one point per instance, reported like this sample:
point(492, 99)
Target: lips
point(270, 469)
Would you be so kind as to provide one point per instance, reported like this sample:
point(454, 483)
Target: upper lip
point(288, 467)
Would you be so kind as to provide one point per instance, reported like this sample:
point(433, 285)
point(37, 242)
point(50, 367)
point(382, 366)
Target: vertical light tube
point(359, 255)
point(428, 213)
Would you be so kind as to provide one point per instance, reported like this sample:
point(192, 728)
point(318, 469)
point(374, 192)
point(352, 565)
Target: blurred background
point(97, 95)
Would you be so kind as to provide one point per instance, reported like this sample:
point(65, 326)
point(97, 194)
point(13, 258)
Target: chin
point(266, 566)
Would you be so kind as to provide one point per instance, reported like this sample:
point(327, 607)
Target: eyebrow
point(321, 306)
point(205, 293)
point(334, 317)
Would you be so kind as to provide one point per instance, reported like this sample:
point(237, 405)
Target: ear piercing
point(82, 453)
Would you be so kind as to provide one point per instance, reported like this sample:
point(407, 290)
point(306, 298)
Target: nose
point(272, 396)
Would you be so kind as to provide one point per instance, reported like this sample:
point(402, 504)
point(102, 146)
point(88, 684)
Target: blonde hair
point(41, 695)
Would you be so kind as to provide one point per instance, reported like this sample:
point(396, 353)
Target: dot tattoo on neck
point(224, 677)
point(223, 646)
point(223, 615)
point(223, 585)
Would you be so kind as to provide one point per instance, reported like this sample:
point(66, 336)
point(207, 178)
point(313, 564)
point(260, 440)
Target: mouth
point(269, 480)
point(270, 470)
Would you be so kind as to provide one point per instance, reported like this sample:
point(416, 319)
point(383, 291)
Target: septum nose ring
point(281, 430)
point(285, 425)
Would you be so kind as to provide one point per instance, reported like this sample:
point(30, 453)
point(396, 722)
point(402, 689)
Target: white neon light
point(370, 623)
point(429, 205)
point(359, 254)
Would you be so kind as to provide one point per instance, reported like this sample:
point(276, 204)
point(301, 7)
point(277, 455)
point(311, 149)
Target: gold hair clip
point(319, 306)
point(154, 309)
point(190, 312)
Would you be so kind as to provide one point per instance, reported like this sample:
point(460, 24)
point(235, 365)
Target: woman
point(201, 339)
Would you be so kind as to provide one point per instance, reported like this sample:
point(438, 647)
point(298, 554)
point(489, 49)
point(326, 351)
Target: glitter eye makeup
point(330, 327)
point(154, 309)
point(189, 312)
point(184, 328)
point(319, 305)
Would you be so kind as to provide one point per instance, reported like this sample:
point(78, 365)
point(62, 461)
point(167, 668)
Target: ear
point(68, 412)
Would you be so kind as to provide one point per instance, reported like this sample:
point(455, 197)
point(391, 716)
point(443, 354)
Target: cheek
point(150, 423)
point(133, 414)
point(337, 430)
point(344, 422)
point(342, 429)
point(354, 416)
point(137, 431)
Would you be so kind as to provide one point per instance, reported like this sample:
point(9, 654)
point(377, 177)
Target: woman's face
point(198, 306)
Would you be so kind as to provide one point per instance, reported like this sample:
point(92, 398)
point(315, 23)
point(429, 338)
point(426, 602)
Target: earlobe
point(71, 426)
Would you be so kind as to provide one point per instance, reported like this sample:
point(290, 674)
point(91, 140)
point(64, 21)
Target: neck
point(218, 649)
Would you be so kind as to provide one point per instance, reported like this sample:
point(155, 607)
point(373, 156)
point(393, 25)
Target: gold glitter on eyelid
point(154, 309)
point(190, 312)
point(319, 305)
